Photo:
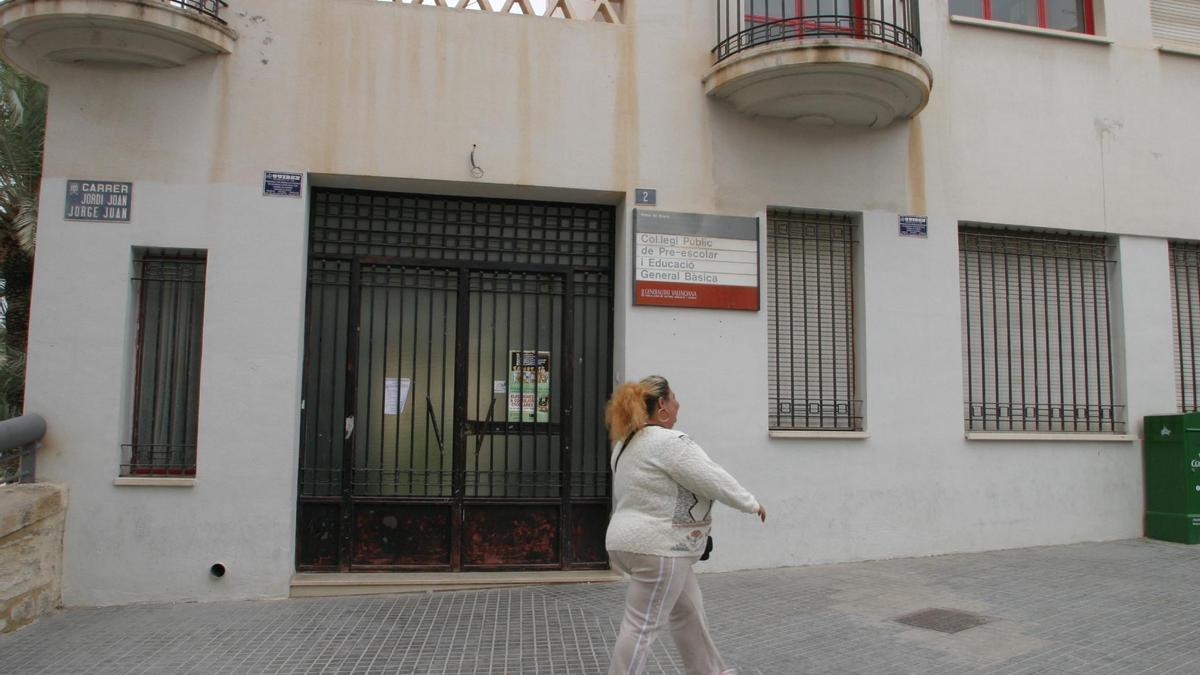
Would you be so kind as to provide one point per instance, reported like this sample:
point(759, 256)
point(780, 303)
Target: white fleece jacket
point(663, 489)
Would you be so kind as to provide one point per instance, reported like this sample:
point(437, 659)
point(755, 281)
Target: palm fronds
point(22, 136)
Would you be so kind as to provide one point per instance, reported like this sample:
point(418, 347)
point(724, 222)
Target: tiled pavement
point(1118, 607)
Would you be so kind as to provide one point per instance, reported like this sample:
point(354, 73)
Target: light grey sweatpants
point(662, 590)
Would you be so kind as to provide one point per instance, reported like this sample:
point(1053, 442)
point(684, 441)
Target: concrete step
point(330, 584)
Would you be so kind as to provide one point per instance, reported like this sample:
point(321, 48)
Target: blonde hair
point(632, 405)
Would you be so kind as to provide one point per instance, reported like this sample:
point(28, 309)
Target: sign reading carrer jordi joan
point(695, 260)
point(101, 200)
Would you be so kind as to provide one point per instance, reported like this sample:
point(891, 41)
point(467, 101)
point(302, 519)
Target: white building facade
point(382, 262)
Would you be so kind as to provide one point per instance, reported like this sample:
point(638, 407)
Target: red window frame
point(1089, 17)
point(803, 25)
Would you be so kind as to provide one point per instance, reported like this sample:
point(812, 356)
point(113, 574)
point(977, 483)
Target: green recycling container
point(1172, 454)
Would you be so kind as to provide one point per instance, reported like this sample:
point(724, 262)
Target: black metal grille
point(431, 228)
point(1185, 294)
point(1037, 347)
point(417, 306)
point(743, 24)
point(169, 286)
point(507, 457)
point(810, 300)
point(211, 8)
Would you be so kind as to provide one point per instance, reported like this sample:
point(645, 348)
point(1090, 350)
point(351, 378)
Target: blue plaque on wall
point(103, 201)
point(281, 184)
point(914, 226)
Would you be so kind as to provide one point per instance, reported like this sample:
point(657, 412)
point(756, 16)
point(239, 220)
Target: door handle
point(479, 437)
point(437, 432)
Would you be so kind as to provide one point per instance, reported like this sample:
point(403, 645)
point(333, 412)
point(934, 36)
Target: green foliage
point(22, 136)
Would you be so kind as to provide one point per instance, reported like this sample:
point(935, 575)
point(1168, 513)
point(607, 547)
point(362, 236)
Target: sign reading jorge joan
point(695, 260)
point(103, 200)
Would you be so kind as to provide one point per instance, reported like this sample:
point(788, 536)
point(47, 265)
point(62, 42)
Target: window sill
point(842, 435)
point(1179, 51)
point(1030, 30)
point(153, 481)
point(1049, 436)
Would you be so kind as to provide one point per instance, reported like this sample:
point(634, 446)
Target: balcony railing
point(154, 33)
point(210, 8)
point(743, 24)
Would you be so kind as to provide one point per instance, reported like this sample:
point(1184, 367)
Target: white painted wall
point(1021, 129)
point(135, 543)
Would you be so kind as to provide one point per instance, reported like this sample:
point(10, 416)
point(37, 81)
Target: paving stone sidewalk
point(1117, 607)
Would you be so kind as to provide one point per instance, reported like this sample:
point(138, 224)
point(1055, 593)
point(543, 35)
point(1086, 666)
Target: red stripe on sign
point(695, 295)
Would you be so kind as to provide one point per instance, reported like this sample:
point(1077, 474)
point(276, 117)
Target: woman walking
point(663, 489)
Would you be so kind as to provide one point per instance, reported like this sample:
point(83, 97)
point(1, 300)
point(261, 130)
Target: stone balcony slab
point(824, 82)
point(133, 32)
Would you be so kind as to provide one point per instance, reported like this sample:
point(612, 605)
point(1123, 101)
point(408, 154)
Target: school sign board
point(695, 260)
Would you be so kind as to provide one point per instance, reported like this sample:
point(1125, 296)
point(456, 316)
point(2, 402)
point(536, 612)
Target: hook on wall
point(476, 170)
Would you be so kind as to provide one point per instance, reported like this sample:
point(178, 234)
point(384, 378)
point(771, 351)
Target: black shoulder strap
point(623, 446)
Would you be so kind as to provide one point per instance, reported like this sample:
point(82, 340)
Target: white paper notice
point(395, 394)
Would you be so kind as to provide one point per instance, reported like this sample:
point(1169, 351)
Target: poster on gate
point(528, 386)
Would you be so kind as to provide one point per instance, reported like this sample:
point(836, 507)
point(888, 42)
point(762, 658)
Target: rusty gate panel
point(319, 535)
point(401, 535)
point(589, 523)
point(517, 535)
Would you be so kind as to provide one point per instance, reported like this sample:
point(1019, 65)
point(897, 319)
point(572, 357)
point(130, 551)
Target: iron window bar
point(1185, 310)
point(159, 459)
point(1037, 343)
point(744, 24)
point(811, 334)
point(169, 286)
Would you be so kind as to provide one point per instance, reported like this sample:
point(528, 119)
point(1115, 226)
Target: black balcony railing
point(211, 8)
point(743, 24)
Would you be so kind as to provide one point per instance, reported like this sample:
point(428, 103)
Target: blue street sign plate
point(105, 201)
point(914, 226)
point(281, 184)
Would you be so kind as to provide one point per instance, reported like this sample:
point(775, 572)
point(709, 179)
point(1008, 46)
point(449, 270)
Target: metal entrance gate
point(457, 360)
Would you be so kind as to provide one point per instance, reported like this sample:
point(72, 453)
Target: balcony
point(157, 33)
point(821, 62)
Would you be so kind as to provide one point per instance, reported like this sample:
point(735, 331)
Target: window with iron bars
point(811, 334)
point(1037, 341)
point(1185, 305)
point(169, 298)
